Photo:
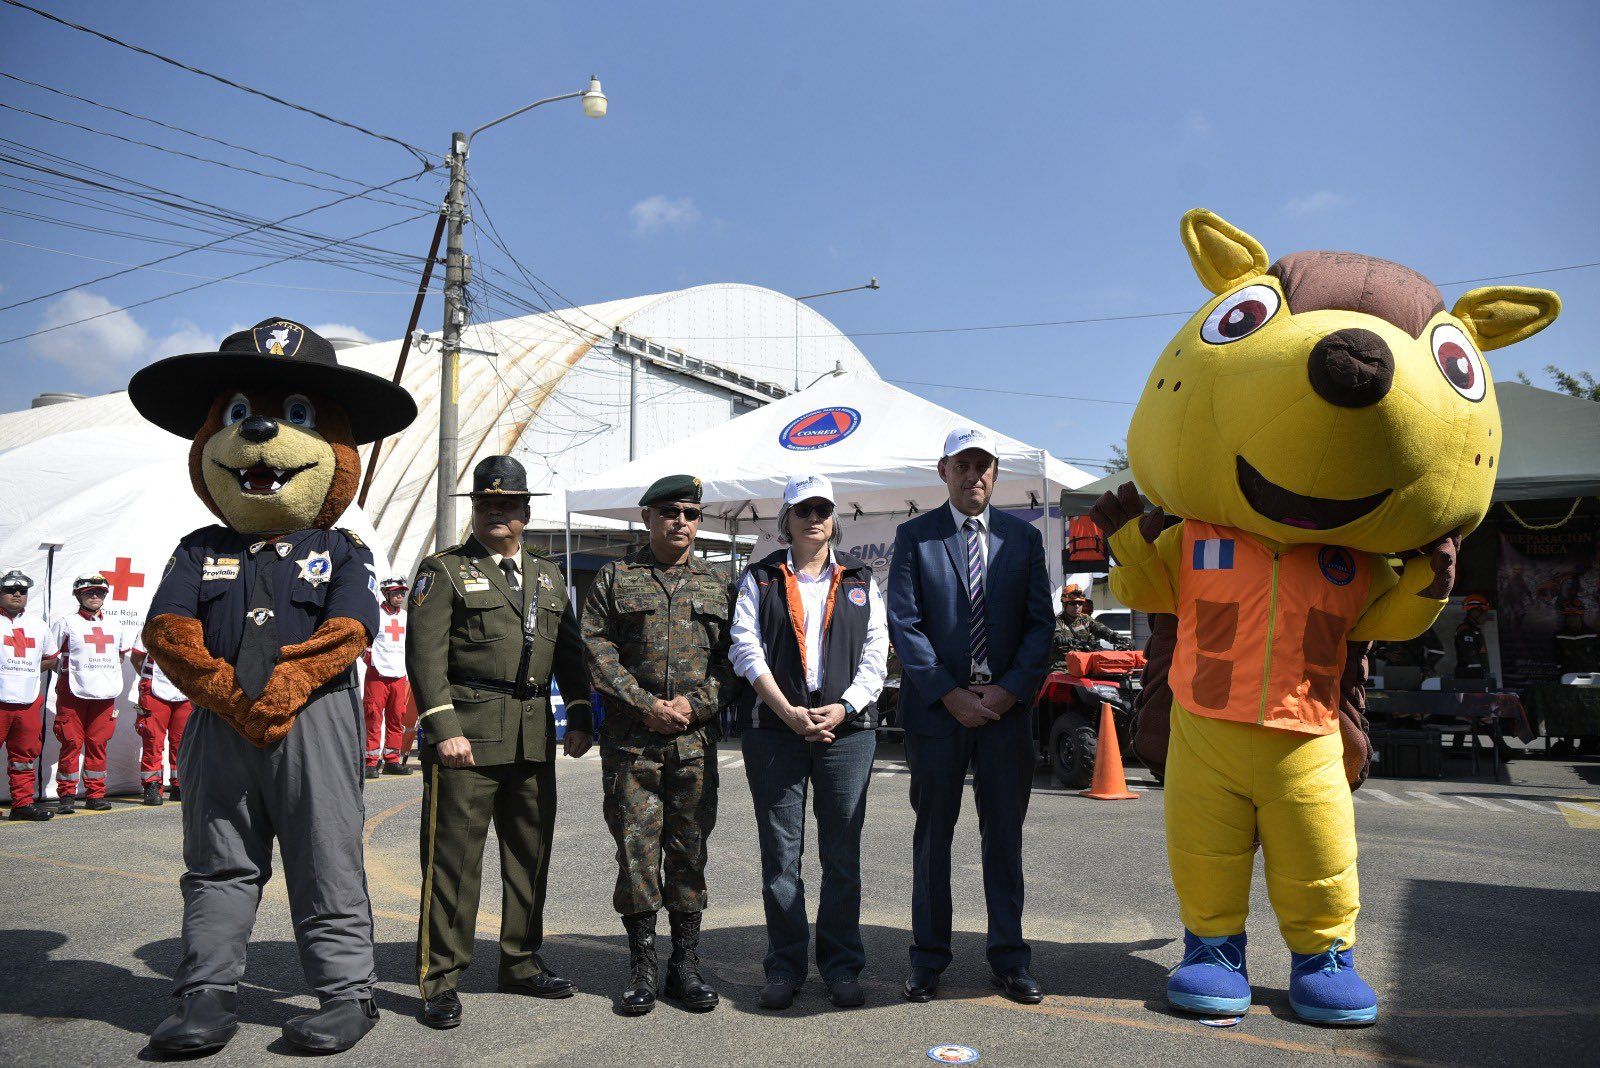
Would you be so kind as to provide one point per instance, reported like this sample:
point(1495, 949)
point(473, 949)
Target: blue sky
point(990, 164)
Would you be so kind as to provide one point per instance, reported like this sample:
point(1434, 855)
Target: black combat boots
point(683, 968)
point(640, 997)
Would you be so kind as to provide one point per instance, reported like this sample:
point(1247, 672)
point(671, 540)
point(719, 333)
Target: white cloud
point(111, 344)
point(343, 330)
point(1197, 124)
point(1313, 203)
point(661, 212)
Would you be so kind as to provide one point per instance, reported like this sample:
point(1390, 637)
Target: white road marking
point(1481, 802)
point(1358, 799)
point(1532, 806)
point(1387, 798)
point(1431, 799)
point(1586, 810)
point(732, 762)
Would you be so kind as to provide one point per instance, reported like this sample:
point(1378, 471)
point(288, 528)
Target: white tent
point(878, 444)
point(116, 501)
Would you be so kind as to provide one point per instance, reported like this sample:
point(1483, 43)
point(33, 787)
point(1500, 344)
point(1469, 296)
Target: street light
point(458, 272)
point(872, 283)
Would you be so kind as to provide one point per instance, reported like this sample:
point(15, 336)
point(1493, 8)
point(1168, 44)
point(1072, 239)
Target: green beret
point(672, 488)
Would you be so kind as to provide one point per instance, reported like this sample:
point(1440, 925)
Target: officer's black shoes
point(643, 967)
point(922, 984)
point(205, 1021)
point(372, 771)
point(66, 806)
point(396, 769)
point(152, 794)
point(173, 794)
point(97, 804)
point(333, 1028)
point(846, 993)
point(684, 984)
point(546, 984)
point(777, 995)
point(30, 813)
point(442, 1011)
point(1019, 986)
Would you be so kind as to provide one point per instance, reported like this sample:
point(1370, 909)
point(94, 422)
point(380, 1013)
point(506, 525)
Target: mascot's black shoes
point(442, 1011)
point(204, 1023)
point(334, 1028)
point(31, 813)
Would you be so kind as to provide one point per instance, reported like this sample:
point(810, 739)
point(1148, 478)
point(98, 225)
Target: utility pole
point(872, 283)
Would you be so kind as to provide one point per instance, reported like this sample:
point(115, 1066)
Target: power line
point(1009, 392)
point(421, 155)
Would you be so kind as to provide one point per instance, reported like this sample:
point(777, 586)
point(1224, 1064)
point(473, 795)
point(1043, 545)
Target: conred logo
point(1338, 564)
point(820, 428)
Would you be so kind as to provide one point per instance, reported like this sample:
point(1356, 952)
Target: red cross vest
point(1261, 635)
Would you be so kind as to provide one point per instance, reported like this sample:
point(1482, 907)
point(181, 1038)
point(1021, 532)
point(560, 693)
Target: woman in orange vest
point(1319, 416)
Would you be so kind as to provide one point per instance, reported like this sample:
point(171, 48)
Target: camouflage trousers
point(661, 808)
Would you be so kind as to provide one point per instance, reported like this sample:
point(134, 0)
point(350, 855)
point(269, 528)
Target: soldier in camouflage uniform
point(656, 628)
point(1077, 631)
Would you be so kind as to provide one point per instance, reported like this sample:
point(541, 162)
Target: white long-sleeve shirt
point(750, 659)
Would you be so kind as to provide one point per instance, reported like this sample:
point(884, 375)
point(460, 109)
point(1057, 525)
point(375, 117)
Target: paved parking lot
point(1480, 929)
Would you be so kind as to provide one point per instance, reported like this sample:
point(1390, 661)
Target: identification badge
point(218, 568)
point(476, 585)
point(544, 582)
point(316, 568)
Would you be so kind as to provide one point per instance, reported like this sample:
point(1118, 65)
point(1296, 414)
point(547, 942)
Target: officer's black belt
point(527, 691)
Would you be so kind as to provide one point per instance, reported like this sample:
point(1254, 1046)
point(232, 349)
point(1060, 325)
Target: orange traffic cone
point(1109, 783)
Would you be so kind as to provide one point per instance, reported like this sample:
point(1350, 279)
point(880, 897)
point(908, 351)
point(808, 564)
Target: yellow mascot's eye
point(1240, 314)
point(298, 411)
point(237, 411)
point(1459, 362)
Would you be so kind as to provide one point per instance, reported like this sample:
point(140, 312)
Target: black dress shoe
point(777, 995)
point(396, 769)
point(204, 1023)
point(922, 984)
point(1018, 985)
point(97, 804)
point(333, 1028)
point(846, 993)
point(546, 984)
point(31, 813)
point(442, 1011)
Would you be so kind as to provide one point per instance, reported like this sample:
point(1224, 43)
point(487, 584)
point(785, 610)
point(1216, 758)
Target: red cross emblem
point(123, 578)
point(99, 639)
point(20, 643)
point(393, 629)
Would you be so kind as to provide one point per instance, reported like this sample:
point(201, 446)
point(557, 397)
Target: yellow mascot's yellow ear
point(1498, 316)
point(1223, 255)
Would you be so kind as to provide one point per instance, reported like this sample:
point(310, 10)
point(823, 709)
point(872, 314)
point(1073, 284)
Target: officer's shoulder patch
point(419, 592)
point(352, 537)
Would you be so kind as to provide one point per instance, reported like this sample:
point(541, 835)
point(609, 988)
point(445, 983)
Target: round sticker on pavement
point(953, 1054)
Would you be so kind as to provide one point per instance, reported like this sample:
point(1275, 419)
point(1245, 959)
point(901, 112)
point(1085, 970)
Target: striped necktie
point(975, 598)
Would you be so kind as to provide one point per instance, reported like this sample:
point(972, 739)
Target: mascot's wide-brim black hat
point(176, 393)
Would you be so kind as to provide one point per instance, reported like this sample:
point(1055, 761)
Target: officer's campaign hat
point(672, 488)
point(500, 476)
point(394, 582)
point(278, 354)
point(15, 580)
point(90, 582)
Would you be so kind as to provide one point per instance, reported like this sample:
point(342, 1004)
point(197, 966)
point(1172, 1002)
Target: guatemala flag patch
point(1213, 554)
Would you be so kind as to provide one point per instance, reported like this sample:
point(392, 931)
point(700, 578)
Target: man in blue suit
point(969, 612)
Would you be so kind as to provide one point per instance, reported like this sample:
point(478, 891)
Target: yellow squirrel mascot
point(1319, 420)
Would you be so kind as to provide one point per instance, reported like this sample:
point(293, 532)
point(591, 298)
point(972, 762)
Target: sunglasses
point(13, 589)
point(672, 511)
point(822, 510)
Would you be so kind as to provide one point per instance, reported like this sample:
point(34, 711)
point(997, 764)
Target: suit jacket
point(929, 613)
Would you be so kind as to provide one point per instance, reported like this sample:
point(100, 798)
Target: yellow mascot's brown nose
point(1352, 368)
point(258, 429)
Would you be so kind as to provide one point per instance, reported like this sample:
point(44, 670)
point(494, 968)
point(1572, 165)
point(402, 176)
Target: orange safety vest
point(1086, 543)
point(1261, 635)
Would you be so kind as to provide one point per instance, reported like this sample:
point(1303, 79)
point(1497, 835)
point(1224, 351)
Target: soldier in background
point(656, 628)
point(1077, 631)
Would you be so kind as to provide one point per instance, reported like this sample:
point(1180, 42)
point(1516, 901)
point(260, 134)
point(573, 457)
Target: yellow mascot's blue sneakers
point(1211, 980)
point(1324, 988)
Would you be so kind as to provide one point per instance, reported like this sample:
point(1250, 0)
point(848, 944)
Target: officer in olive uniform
point(489, 623)
point(656, 627)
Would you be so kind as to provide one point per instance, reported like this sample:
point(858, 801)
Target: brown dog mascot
point(261, 621)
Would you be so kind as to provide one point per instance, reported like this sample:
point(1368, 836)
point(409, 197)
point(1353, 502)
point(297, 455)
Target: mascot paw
point(1442, 559)
point(1211, 979)
point(1113, 511)
point(1324, 988)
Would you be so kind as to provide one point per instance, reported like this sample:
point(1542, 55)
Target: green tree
point(1582, 385)
point(1119, 456)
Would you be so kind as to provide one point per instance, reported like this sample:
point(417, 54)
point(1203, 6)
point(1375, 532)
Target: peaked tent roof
point(879, 445)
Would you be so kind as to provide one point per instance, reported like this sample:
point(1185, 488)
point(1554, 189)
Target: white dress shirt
point(981, 667)
point(750, 660)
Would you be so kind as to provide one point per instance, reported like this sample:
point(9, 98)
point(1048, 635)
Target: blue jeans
point(780, 765)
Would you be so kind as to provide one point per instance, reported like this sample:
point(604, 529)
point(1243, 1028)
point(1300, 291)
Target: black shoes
point(97, 804)
point(66, 805)
point(546, 984)
point(922, 984)
point(396, 769)
point(173, 794)
point(777, 995)
point(846, 993)
point(30, 813)
point(333, 1028)
point(372, 771)
point(1019, 986)
point(643, 967)
point(684, 984)
point(442, 1011)
point(204, 1023)
point(152, 794)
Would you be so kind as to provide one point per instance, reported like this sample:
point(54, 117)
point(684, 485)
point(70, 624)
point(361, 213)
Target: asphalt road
point(1480, 931)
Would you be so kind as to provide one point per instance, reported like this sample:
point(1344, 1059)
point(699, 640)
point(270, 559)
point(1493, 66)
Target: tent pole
point(49, 676)
point(571, 585)
point(1051, 548)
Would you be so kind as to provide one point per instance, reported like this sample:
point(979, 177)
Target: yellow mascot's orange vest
point(1261, 635)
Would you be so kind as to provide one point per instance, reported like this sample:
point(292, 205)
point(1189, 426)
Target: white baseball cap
point(808, 487)
point(963, 438)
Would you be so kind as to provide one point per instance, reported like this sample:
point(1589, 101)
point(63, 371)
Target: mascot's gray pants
point(305, 791)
